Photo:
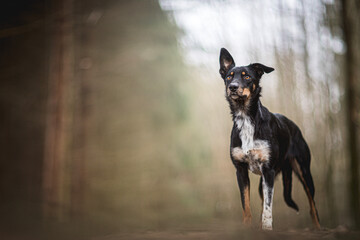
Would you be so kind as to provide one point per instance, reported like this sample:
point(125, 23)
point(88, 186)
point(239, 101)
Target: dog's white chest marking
point(246, 135)
point(254, 152)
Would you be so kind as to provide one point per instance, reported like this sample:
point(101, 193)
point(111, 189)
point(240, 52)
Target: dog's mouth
point(241, 94)
point(235, 96)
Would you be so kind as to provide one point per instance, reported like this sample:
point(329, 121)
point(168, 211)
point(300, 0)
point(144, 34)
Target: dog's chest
point(254, 152)
point(246, 135)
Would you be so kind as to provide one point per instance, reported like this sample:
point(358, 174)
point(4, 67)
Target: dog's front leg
point(244, 185)
point(268, 192)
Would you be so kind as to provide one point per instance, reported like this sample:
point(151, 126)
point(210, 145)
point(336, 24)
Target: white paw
point(266, 224)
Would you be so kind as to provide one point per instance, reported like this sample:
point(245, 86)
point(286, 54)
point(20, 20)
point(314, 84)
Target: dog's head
point(241, 82)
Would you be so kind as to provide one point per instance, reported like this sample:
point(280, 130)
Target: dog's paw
point(266, 226)
point(247, 220)
point(266, 223)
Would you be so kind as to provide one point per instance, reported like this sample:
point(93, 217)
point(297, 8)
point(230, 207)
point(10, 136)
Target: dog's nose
point(233, 87)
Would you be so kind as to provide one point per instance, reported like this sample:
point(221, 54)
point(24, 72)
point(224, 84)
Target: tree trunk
point(58, 123)
point(82, 114)
point(350, 17)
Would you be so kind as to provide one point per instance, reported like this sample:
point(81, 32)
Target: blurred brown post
point(58, 123)
point(351, 26)
point(84, 67)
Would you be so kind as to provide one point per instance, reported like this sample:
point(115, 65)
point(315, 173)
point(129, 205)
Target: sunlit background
point(114, 118)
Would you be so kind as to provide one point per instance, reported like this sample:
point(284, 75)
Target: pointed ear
point(260, 68)
point(226, 62)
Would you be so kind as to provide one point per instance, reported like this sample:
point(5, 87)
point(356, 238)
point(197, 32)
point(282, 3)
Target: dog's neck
point(250, 107)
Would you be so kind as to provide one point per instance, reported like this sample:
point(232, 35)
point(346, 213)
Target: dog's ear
point(261, 69)
point(226, 62)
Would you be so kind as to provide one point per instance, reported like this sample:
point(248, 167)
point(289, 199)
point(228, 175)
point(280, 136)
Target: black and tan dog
point(263, 142)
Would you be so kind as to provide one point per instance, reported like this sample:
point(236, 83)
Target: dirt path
point(243, 234)
point(212, 230)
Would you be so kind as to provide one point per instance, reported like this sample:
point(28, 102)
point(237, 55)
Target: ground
point(209, 234)
point(219, 229)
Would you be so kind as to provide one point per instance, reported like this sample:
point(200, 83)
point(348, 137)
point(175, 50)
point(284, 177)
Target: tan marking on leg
point(247, 211)
point(254, 87)
point(313, 210)
point(313, 214)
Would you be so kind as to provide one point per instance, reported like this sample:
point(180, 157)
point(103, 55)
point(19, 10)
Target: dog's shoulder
point(287, 123)
point(271, 124)
point(269, 119)
point(265, 118)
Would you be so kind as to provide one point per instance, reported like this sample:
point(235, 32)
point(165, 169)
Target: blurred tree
point(22, 94)
point(58, 132)
point(351, 27)
point(129, 134)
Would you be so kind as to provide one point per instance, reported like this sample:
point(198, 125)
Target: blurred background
point(113, 115)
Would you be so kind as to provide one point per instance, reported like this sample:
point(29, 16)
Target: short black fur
point(288, 150)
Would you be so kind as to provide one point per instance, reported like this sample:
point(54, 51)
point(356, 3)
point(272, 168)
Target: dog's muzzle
point(233, 87)
point(236, 92)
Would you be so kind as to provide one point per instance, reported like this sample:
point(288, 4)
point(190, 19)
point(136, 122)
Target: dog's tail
point(287, 182)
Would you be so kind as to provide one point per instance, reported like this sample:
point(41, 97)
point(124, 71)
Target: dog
point(263, 142)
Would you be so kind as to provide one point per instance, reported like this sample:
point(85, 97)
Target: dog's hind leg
point(244, 185)
point(302, 170)
point(287, 183)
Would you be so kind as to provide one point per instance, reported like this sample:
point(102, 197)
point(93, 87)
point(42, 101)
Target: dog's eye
point(229, 77)
point(246, 77)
